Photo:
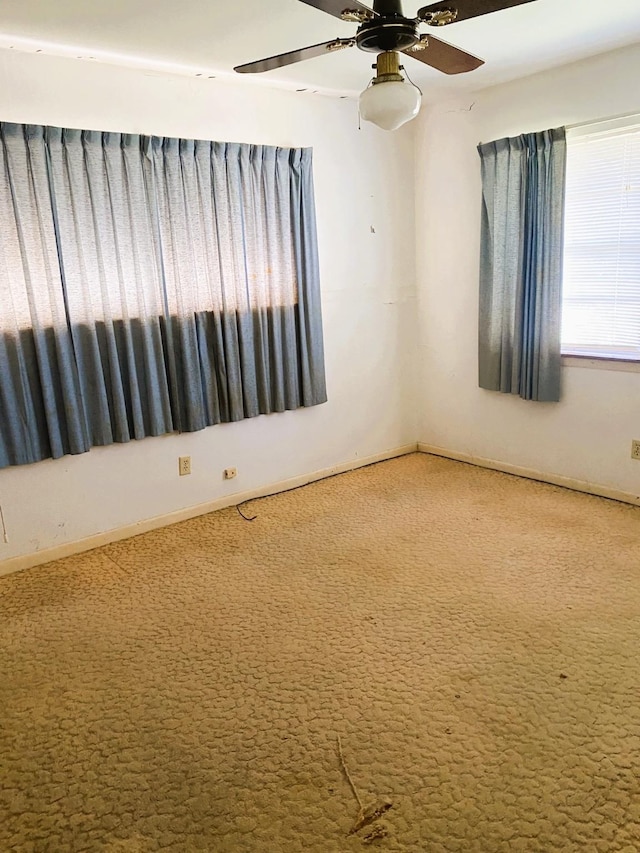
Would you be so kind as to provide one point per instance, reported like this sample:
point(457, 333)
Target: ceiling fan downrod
point(388, 8)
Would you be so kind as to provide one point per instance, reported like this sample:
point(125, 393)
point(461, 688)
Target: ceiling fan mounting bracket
point(423, 44)
point(440, 18)
point(340, 44)
point(357, 16)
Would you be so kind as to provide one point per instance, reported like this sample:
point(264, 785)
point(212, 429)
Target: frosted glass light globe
point(390, 104)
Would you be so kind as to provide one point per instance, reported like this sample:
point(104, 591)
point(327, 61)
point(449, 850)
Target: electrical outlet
point(184, 465)
point(230, 473)
point(635, 449)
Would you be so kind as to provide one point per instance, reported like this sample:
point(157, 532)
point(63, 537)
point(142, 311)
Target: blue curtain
point(149, 285)
point(523, 187)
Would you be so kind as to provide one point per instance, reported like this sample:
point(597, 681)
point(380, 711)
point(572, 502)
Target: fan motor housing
point(387, 33)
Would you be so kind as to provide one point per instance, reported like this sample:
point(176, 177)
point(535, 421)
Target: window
point(601, 285)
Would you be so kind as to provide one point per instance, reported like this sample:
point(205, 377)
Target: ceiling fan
point(386, 31)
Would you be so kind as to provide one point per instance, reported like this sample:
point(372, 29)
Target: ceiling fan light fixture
point(389, 101)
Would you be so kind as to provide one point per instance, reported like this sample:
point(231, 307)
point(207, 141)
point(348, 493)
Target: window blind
point(601, 283)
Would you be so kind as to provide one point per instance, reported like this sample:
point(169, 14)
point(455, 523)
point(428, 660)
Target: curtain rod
point(596, 122)
point(602, 120)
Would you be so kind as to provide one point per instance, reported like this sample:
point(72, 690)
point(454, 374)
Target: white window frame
point(598, 356)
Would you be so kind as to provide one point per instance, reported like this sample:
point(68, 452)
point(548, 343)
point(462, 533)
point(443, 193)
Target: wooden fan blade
point(445, 57)
point(292, 56)
point(464, 9)
point(347, 10)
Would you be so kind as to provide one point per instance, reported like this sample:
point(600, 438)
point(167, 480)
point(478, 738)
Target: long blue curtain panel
point(523, 191)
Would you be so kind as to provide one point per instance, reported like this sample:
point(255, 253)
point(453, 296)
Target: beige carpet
point(473, 638)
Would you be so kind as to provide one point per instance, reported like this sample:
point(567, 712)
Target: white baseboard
point(531, 474)
point(27, 561)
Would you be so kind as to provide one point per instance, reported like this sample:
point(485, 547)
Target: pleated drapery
point(149, 285)
point(523, 189)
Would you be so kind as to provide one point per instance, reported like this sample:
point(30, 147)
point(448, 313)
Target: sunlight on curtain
point(150, 284)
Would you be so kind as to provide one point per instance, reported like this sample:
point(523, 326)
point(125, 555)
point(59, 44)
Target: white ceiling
point(210, 37)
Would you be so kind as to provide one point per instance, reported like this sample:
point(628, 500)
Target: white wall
point(587, 436)
point(364, 181)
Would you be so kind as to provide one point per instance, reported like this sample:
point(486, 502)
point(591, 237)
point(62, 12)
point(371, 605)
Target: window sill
point(591, 362)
